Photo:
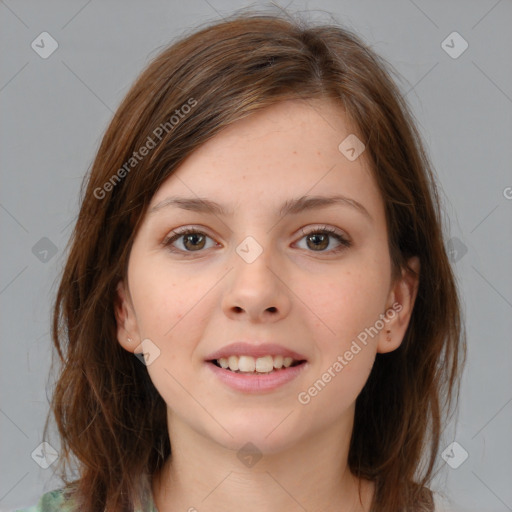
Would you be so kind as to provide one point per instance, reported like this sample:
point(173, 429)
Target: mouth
point(248, 365)
point(256, 367)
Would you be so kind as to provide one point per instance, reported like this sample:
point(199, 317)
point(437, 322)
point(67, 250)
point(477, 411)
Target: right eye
point(192, 240)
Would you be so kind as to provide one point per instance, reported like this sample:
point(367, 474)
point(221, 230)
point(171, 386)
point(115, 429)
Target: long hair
point(110, 417)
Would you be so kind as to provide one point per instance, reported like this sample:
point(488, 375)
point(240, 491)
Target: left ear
point(399, 307)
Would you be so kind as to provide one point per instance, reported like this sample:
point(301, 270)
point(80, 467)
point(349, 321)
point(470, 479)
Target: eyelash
point(324, 230)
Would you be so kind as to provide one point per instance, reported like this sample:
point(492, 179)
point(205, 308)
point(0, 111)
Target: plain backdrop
point(54, 111)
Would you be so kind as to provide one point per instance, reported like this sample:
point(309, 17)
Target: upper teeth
point(250, 364)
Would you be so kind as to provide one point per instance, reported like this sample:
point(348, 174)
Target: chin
point(267, 432)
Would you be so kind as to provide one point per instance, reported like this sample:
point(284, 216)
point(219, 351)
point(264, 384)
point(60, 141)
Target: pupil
point(324, 240)
point(191, 238)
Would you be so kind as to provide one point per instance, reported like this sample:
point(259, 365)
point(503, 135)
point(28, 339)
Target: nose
point(255, 291)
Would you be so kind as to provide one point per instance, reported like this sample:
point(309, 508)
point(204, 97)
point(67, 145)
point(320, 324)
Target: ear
point(399, 307)
point(127, 332)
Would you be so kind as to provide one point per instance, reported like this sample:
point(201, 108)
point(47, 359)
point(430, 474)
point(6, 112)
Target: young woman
point(257, 311)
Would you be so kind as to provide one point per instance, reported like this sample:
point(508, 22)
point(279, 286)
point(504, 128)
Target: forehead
point(287, 150)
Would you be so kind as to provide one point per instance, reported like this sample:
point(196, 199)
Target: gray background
point(54, 113)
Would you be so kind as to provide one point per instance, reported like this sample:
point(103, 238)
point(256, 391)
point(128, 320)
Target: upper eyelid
point(183, 229)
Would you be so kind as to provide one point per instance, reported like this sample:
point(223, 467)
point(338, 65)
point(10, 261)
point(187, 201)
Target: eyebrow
point(290, 207)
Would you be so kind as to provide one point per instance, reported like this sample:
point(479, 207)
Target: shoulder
point(53, 501)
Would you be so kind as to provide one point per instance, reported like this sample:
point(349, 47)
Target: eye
point(191, 239)
point(319, 239)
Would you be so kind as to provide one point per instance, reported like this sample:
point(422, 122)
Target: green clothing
point(54, 501)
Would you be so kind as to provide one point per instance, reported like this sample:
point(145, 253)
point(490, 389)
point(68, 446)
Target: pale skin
point(300, 292)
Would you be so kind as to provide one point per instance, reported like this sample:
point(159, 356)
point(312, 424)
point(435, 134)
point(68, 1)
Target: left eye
point(318, 240)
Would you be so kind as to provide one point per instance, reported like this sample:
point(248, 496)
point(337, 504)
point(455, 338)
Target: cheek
point(335, 391)
point(350, 304)
point(346, 303)
point(163, 298)
point(169, 313)
point(346, 350)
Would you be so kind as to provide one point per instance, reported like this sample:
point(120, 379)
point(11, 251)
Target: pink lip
point(247, 349)
point(256, 383)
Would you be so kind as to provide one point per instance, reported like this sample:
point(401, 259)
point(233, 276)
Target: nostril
point(272, 309)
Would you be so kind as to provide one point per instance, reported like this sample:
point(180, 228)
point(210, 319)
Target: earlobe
point(125, 318)
point(402, 298)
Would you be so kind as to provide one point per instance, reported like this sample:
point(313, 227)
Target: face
point(262, 274)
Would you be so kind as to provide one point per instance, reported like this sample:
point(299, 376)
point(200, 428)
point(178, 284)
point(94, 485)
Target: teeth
point(233, 362)
point(278, 362)
point(248, 364)
point(264, 364)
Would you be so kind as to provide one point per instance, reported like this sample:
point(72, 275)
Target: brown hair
point(109, 415)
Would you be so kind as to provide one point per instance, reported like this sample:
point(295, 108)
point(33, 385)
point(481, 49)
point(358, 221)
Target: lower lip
point(257, 383)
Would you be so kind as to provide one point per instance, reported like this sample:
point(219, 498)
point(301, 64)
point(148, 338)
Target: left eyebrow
point(290, 207)
point(300, 204)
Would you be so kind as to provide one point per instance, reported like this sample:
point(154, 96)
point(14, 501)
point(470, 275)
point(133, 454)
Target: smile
point(255, 367)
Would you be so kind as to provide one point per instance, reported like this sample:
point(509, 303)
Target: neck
point(202, 475)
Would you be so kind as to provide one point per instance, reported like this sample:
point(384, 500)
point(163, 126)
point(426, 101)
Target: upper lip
point(255, 350)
